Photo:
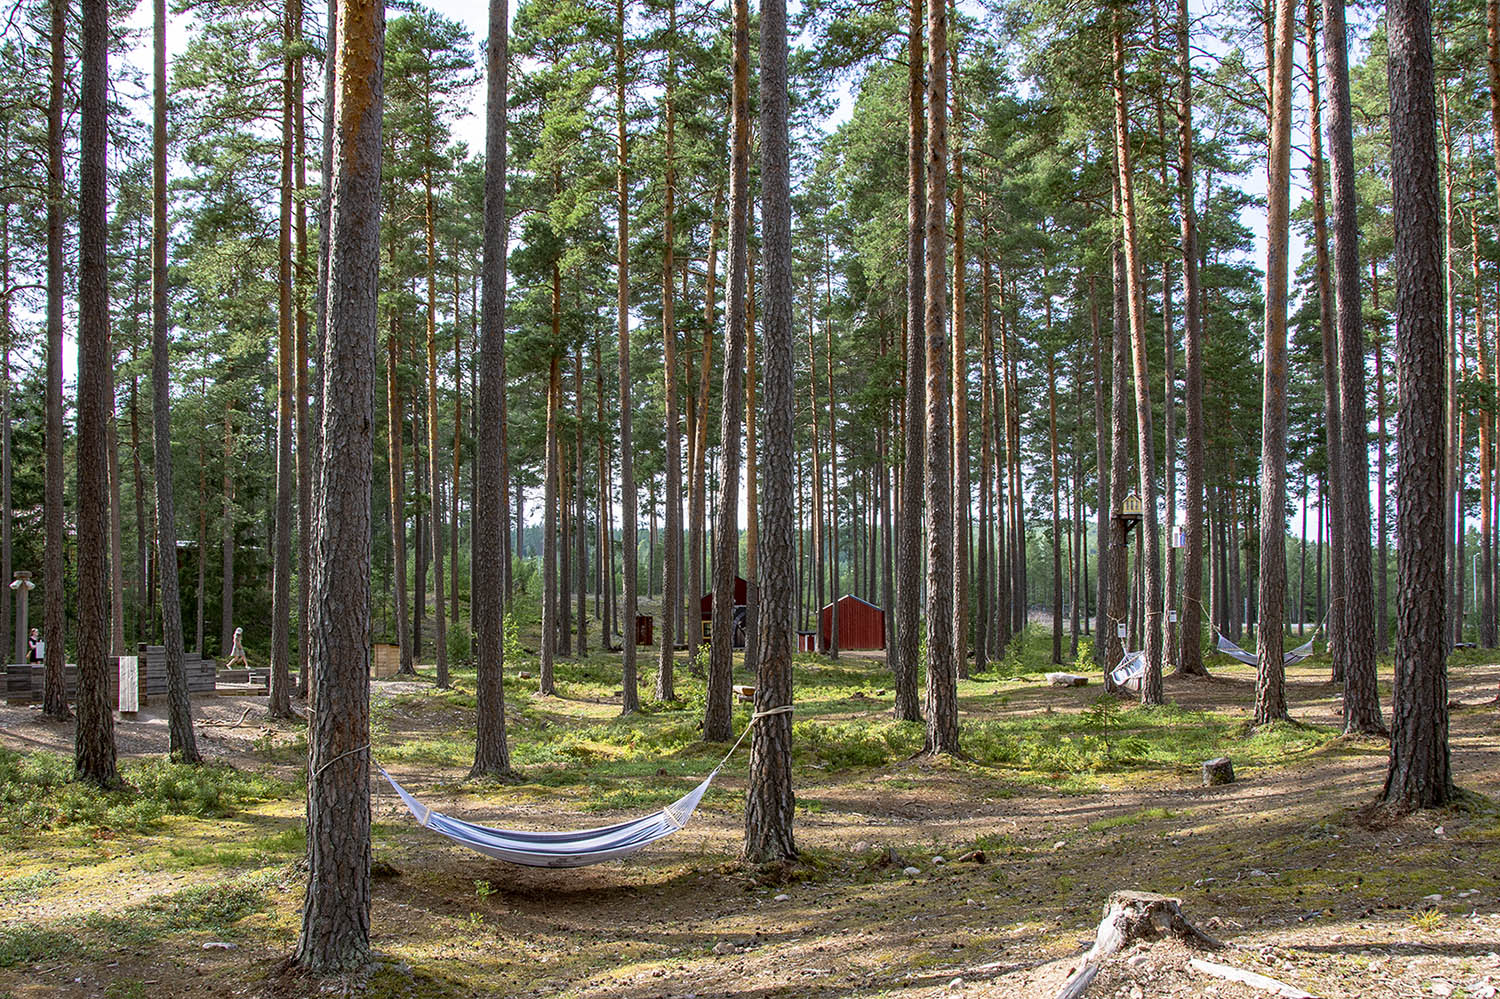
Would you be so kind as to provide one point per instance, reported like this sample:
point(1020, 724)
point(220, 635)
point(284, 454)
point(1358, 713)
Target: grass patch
point(37, 792)
point(25, 887)
point(1133, 819)
point(211, 909)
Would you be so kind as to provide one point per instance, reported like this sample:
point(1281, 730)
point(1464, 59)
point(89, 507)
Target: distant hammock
point(576, 848)
point(1233, 651)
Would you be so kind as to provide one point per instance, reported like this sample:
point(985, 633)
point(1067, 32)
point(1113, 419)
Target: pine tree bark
point(1485, 597)
point(6, 334)
point(280, 705)
point(835, 579)
point(1119, 449)
point(909, 524)
point(486, 603)
point(580, 532)
point(1149, 545)
point(550, 475)
point(396, 465)
point(305, 445)
point(671, 569)
point(1104, 627)
point(335, 934)
point(960, 367)
point(1270, 686)
point(1191, 662)
point(1357, 640)
point(434, 465)
point(226, 539)
point(1419, 775)
point(718, 709)
point(699, 446)
point(1057, 583)
point(770, 802)
point(1328, 335)
point(54, 694)
point(631, 701)
point(942, 689)
point(181, 742)
point(94, 743)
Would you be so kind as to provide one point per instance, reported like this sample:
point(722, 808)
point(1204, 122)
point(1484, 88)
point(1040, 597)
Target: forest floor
point(190, 885)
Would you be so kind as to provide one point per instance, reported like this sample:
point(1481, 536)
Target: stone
point(723, 947)
point(782, 898)
point(1219, 771)
point(940, 859)
point(911, 872)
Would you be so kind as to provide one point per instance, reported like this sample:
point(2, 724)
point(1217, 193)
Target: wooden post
point(129, 686)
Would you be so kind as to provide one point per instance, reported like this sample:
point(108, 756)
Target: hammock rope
point(574, 848)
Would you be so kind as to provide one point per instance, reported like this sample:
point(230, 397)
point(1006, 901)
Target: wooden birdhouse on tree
point(1130, 512)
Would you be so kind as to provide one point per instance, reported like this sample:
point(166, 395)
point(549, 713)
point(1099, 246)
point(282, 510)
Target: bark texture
point(180, 739)
point(94, 742)
point(486, 603)
point(909, 521)
point(770, 801)
point(1419, 775)
point(942, 680)
point(335, 933)
point(718, 711)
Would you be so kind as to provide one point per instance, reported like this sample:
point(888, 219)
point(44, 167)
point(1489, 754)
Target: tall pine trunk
point(1419, 775)
point(631, 700)
point(942, 691)
point(770, 803)
point(54, 695)
point(1270, 686)
point(487, 601)
point(1191, 662)
point(718, 709)
point(280, 705)
point(671, 569)
point(909, 525)
point(1357, 640)
point(94, 742)
point(181, 743)
point(335, 933)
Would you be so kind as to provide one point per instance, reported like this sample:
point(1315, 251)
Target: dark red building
point(861, 625)
point(741, 598)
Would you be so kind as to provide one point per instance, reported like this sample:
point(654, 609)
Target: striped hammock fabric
point(578, 848)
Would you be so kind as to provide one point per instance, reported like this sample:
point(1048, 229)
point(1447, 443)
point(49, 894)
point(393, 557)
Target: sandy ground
point(1277, 865)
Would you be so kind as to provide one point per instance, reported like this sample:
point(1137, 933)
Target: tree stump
point(1132, 916)
point(1216, 772)
point(1067, 680)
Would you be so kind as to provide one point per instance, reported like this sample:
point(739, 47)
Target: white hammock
point(578, 848)
point(1290, 658)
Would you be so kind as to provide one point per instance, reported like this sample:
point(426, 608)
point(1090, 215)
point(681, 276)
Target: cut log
point(1132, 916)
point(1067, 680)
point(1219, 771)
point(1250, 978)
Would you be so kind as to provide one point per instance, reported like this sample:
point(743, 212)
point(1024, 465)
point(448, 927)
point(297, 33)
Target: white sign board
point(1122, 630)
point(129, 685)
point(1172, 616)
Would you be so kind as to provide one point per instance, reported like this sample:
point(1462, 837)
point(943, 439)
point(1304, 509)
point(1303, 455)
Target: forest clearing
point(104, 901)
point(665, 499)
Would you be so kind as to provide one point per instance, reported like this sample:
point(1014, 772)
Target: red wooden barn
point(741, 597)
point(861, 624)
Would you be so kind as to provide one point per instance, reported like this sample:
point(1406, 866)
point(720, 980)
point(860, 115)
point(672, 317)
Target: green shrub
point(37, 791)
